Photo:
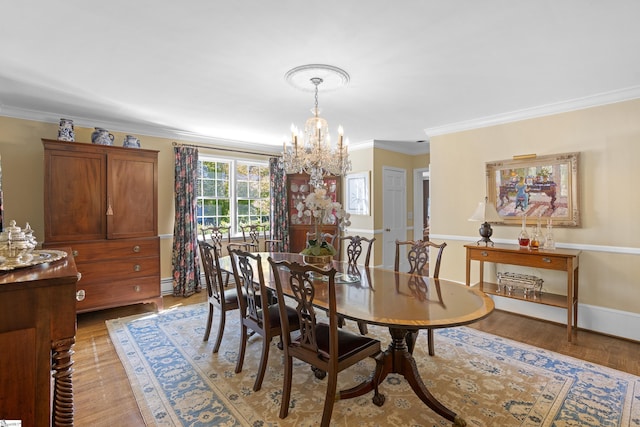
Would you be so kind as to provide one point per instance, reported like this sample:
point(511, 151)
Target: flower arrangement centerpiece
point(320, 209)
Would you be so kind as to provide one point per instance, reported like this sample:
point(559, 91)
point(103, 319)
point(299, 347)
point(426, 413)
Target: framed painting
point(357, 195)
point(540, 187)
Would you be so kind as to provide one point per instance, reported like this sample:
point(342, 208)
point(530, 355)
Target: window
point(232, 193)
point(252, 193)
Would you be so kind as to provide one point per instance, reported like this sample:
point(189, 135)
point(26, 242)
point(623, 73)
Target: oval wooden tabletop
point(385, 297)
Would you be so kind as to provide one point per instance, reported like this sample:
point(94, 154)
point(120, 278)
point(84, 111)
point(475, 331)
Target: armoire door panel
point(132, 196)
point(74, 196)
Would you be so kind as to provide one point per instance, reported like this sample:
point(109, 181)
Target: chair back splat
point(251, 236)
point(355, 248)
point(418, 258)
point(325, 347)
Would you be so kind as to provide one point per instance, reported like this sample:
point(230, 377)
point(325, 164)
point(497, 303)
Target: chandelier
point(312, 152)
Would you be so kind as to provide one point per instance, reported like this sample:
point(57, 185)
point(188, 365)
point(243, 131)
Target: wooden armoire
point(102, 201)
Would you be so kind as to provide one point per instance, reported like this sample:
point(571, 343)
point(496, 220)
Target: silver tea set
point(17, 243)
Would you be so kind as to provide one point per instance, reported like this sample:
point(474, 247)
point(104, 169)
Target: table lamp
point(485, 212)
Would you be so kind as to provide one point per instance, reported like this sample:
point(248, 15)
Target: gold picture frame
point(542, 187)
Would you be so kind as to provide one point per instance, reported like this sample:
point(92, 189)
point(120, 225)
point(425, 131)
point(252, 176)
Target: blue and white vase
point(131, 141)
point(102, 137)
point(65, 131)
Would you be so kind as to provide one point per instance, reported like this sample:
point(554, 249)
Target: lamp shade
point(485, 212)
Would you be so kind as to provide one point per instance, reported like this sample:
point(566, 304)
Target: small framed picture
point(357, 196)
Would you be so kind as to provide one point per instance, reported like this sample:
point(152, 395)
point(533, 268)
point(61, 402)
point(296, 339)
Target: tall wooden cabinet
point(102, 201)
point(298, 188)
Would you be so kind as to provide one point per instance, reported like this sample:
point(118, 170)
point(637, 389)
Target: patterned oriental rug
point(489, 381)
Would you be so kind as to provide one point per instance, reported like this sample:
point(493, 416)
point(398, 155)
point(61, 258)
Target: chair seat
point(231, 296)
point(274, 316)
point(348, 342)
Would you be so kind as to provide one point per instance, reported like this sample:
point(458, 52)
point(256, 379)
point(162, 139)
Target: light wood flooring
point(103, 396)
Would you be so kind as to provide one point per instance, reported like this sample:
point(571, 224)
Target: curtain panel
point(279, 213)
point(185, 259)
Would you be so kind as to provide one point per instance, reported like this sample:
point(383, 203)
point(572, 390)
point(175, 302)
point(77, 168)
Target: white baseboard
point(593, 318)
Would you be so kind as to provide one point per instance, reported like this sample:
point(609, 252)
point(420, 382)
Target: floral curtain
point(185, 260)
point(279, 213)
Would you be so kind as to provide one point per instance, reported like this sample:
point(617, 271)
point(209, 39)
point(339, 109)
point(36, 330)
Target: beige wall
point(608, 139)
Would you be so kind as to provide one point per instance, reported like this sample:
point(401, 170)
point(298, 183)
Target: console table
point(557, 259)
point(37, 333)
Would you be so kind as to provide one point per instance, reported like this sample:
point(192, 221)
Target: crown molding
point(405, 147)
point(137, 128)
point(605, 98)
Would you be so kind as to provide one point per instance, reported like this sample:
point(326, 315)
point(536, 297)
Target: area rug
point(489, 381)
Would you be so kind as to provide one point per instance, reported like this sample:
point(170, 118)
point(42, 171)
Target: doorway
point(421, 203)
point(394, 212)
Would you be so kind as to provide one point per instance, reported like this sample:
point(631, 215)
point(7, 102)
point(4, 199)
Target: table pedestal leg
point(397, 360)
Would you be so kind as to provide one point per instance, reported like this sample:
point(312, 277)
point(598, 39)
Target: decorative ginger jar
point(102, 137)
point(131, 141)
point(65, 131)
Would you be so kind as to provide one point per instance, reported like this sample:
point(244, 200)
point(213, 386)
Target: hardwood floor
point(103, 396)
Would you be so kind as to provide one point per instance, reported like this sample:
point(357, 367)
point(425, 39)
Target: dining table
point(401, 302)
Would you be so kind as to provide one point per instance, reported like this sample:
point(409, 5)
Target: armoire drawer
point(127, 268)
point(115, 293)
point(104, 250)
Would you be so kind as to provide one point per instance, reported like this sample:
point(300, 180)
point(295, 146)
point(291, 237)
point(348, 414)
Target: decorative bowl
point(320, 261)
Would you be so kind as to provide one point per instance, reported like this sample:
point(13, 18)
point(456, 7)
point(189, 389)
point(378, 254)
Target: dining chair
point(418, 258)
point(249, 278)
point(324, 346)
point(354, 248)
point(215, 236)
point(225, 298)
point(328, 237)
point(270, 244)
point(251, 236)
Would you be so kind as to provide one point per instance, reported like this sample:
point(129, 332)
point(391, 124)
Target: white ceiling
point(205, 70)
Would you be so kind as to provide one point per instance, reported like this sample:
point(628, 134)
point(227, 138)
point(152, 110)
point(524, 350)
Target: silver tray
point(39, 256)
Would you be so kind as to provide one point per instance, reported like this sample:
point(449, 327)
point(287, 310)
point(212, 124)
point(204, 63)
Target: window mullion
point(232, 198)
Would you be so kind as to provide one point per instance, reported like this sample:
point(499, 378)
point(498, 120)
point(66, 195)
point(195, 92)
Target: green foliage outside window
point(215, 206)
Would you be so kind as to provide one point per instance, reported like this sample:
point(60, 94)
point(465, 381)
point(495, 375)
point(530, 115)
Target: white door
point(394, 212)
